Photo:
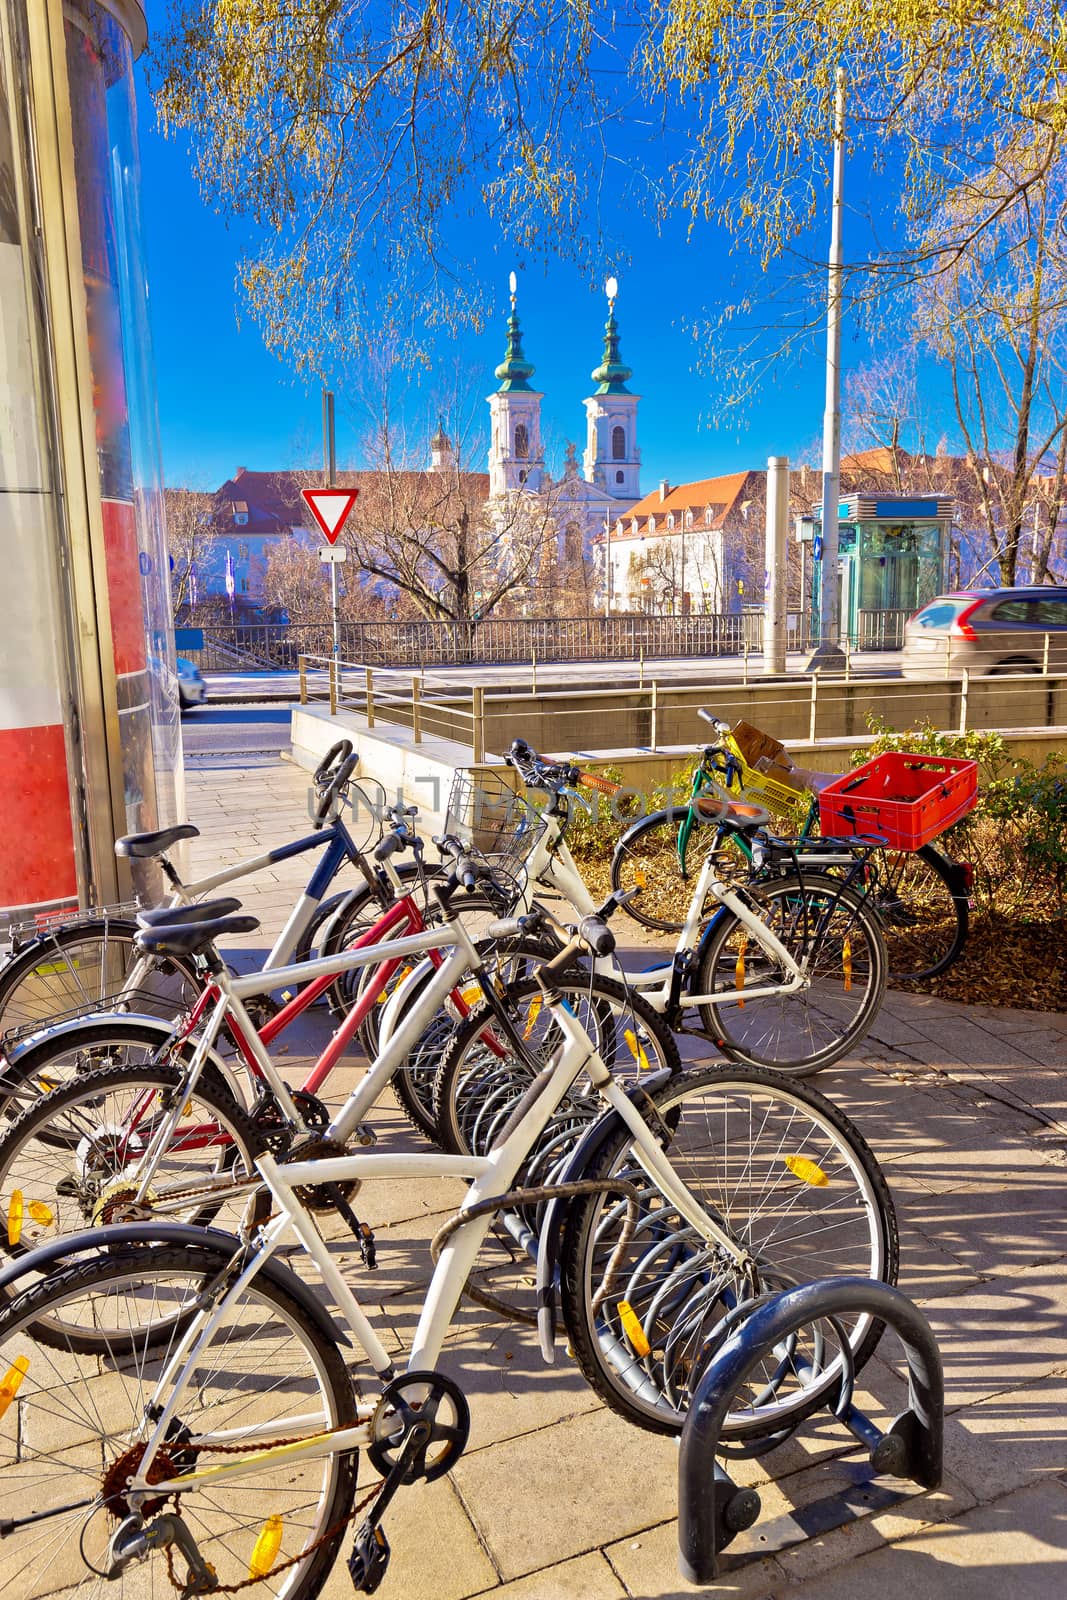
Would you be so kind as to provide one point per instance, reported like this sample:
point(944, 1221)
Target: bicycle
point(91, 959)
point(922, 896)
point(241, 1388)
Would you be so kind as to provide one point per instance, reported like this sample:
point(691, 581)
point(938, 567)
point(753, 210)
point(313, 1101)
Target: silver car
point(987, 631)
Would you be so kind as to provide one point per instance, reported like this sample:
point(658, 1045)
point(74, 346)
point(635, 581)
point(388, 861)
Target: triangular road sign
point(330, 508)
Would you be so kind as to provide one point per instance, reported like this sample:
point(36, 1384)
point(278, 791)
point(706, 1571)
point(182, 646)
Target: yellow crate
point(768, 791)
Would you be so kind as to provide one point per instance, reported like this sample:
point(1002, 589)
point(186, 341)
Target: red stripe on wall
point(124, 586)
point(36, 837)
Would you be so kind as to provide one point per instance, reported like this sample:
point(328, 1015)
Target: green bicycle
point(922, 896)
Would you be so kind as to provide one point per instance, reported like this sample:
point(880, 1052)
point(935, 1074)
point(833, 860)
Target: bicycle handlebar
point(537, 773)
point(338, 780)
point(334, 758)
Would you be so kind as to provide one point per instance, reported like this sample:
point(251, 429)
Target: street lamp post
point(828, 654)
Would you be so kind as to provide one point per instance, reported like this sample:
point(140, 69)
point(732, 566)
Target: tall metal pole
point(777, 532)
point(329, 462)
point(828, 654)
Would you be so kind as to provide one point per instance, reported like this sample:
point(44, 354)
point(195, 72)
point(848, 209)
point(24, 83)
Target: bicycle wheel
point(482, 1078)
point(920, 897)
point(71, 1161)
point(647, 859)
point(834, 935)
point(79, 1427)
point(413, 1084)
point(790, 1179)
point(103, 1041)
point(82, 967)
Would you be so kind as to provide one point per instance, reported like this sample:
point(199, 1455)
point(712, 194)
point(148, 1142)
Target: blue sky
point(225, 401)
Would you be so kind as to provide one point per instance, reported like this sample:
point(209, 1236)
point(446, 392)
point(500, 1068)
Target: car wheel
point(1014, 664)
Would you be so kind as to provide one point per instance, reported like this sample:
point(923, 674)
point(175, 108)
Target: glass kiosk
point(892, 559)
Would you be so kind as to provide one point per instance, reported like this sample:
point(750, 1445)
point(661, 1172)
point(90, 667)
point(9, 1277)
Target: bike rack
point(712, 1510)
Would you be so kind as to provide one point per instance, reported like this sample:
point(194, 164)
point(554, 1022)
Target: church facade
point(585, 500)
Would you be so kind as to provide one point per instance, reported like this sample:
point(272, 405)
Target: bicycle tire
point(33, 991)
point(414, 1084)
point(851, 946)
point(37, 1069)
point(271, 1345)
point(676, 1289)
point(646, 858)
point(927, 918)
point(490, 1088)
point(62, 1158)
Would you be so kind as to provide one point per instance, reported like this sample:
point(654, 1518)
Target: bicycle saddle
point(154, 844)
point(180, 916)
point(193, 938)
point(743, 816)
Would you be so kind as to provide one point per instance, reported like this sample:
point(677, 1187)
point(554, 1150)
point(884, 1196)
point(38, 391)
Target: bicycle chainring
point(420, 1397)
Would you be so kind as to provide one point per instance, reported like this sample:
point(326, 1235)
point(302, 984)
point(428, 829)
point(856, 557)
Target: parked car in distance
point(987, 631)
point(192, 690)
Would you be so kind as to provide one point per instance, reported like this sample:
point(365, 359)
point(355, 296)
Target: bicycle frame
point(490, 1177)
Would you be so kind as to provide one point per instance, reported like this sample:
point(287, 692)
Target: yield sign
point(330, 507)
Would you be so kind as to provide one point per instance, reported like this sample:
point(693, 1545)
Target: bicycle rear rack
point(712, 1510)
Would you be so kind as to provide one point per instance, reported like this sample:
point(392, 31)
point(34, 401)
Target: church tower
point(516, 460)
point(612, 459)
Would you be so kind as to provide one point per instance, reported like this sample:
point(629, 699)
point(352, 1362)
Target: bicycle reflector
point(636, 1049)
point(532, 1014)
point(633, 1330)
point(12, 1381)
point(807, 1171)
point(41, 1213)
point(15, 1214)
point(265, 1550)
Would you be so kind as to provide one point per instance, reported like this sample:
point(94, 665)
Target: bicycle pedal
point(369, 1559)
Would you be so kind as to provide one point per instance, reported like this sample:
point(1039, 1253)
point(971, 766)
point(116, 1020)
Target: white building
point(583, 504)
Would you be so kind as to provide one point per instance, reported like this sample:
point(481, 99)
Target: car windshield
point(940, 613)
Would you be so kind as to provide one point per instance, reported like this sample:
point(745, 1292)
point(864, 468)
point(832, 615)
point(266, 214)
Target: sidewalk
point(558, 1499)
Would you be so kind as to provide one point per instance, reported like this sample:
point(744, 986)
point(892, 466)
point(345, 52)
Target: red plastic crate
point(905, 799)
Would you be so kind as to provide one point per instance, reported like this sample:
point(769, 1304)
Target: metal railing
point(275, 646)
point(652, 716)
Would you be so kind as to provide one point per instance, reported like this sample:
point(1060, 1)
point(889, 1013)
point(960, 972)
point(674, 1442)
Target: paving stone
point(1011, 1440)
point(436, 1553)
point(586, 1578)
point(567, 1489)
point(1014, 1547)
point(647, 1563)
point(1002, 1335)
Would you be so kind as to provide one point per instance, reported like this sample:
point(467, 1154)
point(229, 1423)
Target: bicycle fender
point(669, 813)
point(211, 1241)
point(705, 939)
point(59, 1030)
point(549, 1243)
point(397, 1001)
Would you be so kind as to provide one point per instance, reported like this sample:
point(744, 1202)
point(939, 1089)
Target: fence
point(272, 646)
point(648, 718)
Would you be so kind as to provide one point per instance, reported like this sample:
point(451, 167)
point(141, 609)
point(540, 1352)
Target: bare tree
point(188, 515)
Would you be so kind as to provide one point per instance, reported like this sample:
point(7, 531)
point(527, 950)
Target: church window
point(620, 477)
point(618, 444)
point(572, 542)
point(522, 441)
point(522, 477)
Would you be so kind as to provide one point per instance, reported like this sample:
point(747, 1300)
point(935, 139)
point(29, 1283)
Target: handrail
point(711, 1510)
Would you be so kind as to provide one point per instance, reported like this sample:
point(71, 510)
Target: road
point(221, 735)
point(555, 675)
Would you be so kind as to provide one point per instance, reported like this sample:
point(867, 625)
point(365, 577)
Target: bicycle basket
point(765, 790)
point(487, 814)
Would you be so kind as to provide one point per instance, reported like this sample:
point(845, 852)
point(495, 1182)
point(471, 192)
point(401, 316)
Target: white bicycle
point(179, 1397)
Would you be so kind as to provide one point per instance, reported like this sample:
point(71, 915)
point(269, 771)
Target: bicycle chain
point(246, 1583)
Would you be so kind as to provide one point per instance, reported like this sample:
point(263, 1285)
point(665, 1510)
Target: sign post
point(330, 508)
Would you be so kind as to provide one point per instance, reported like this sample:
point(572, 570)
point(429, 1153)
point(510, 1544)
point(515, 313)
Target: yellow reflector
point(14, 1217)
point(386, 994)
point(55, 969)
point(472, 994)
point(631, 1323)
point(640, 878)
point(187, 1109)
point(637, 1050)
point(267, 1545)
point(40, 1212)
point(846, 961)
point(12, 1381)
point(807, 1171)
point(47, 1084)
point(739, 971)
point(533, 1011)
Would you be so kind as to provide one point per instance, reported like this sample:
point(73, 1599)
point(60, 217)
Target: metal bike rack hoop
point(711, 1509)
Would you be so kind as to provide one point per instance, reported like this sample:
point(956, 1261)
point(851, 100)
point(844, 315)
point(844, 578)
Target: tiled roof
point(721, 493)
point(271, 502)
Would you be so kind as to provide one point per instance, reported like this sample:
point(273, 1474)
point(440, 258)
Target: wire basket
point(487, 815)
